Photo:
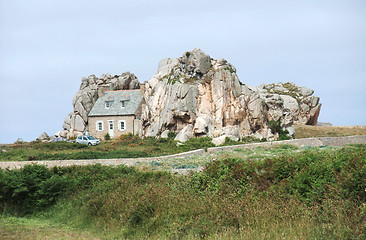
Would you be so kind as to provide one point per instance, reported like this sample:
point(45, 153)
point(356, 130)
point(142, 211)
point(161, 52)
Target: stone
point(265, 133)
point(125, 81)
point(201, 127)
point(78, 123)
point(84, 83)
point(219, 140)
point(63, 133)
point(290, 103)
point(67, 122)
point(166, 65)
point(232, 132)
point(207, 94)
point(43, 136)
point(291, 132)
point(304, 91)
point(195, 95)
point(165, 134)
point(185, 133)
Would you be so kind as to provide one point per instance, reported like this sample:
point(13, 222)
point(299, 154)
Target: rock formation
point(195, 95)
point(91, 89)
point(43, 137)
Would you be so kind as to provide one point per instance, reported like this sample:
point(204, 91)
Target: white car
point(87, 139)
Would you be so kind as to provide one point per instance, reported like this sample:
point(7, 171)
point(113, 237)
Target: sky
point(47, 46)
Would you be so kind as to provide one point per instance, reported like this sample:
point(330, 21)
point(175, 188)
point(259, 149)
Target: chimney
point(142, 88)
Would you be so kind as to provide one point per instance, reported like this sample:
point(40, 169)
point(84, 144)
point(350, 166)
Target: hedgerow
point(311, 194)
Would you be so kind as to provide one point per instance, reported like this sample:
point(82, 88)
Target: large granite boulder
point(91, 89)
point(195, 95)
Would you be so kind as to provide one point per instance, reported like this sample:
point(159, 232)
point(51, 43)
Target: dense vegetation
point(311, 194)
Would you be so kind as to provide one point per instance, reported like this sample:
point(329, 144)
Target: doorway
point(111, 128)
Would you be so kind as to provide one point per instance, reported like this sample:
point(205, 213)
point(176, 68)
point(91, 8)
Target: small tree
point(107, 137)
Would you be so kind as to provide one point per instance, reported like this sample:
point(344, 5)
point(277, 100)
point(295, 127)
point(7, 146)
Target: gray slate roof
point(132, 100)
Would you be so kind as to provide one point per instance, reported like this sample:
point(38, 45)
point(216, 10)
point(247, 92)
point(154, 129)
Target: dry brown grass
point(306, 131)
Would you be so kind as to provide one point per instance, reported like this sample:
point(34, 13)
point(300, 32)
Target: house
point(116, 113)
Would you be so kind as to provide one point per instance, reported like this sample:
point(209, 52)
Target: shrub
point(171, 135)
point(32, 188)
point(318, 193)
point(35, 187)
point(310, 175)
point(107, 137)
point(197, 143)
point(275, 127)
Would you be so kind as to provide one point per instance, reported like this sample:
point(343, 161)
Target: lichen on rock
point(205, 93)
point(195, 96)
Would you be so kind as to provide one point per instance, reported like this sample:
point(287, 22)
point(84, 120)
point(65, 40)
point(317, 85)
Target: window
point(111, 125)
point(108, 104)
point(99, 126)
point(122, 125)
point(123, 104)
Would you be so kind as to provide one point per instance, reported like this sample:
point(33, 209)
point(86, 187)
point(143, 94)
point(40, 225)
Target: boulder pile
point(195, 95)
point(91, 89)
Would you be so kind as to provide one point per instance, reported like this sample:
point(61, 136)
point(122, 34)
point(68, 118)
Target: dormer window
point(124, 100)
point(123, 104)
point(108, 104)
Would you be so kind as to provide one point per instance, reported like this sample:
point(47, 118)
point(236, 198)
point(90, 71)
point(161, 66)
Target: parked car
point(87, 139)
point(61, 139)
point(58, 139)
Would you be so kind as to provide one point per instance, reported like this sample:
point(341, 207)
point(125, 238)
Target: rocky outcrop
point(19, 141)
point(295, 104)
point(43, 137)
point(91, 89)
point(195, 95)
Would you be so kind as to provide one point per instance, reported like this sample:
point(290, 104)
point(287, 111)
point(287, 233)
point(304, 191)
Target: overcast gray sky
point(47, 46)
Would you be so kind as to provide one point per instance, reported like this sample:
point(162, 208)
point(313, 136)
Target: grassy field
point(280, 193)
point(306, 131)
point(16, 228)
point(127, 146)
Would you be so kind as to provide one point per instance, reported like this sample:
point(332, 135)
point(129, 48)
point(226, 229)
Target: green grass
point(286, 193)
point(127, 146)
point(34, 228)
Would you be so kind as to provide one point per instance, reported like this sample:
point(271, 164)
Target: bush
point(171, 135)
point(35, 187)
point(107, 137)
point(319, 192)
point(197, 143)
point(311, 176)
point(30, 189)
point(275, 127)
